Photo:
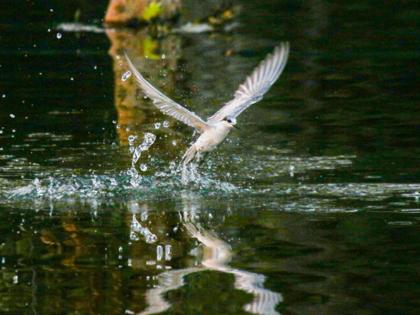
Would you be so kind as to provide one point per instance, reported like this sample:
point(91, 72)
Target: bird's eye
point(229, 121)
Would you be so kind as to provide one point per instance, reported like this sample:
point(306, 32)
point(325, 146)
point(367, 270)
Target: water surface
point(311, 208)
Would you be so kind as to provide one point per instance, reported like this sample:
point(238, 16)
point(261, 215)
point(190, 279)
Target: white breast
point(211, 138)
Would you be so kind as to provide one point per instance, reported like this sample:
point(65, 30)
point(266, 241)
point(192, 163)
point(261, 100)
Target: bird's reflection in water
point(216, 255)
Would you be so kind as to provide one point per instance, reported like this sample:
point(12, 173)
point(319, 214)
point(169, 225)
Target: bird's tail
point(189, 155)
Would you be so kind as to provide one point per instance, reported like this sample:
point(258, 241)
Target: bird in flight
point(216, 128)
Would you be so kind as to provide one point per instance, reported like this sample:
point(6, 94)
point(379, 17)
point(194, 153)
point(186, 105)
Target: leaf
point(149, 47)
point(153, 10)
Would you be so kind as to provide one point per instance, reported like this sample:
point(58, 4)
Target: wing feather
point(165, 104)
point(255, 85)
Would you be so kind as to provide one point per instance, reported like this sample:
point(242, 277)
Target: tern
point(216, 128)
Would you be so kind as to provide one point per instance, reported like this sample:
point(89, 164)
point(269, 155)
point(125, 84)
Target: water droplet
point(12, 116)
point(159, 252)
point(133, 236)
point(126, 75)
point(144, 216)
point(168, 252)
point(131, 139)
point(71, 79)
point(136, 155)
point(149, 139)
point(150, 238)
point(143, 167)
point(59, 35)
point(291, 170)
point(95, 67)
point(136, 227)
point(3, 96)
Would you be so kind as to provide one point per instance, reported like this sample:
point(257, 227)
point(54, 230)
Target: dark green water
point(312, 208)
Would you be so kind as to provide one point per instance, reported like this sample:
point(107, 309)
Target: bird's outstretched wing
point(255, 85)
point(165, 104)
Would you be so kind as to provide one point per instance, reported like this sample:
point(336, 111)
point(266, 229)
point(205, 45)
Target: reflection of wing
point(165, 104)
point(255, 85)
point(216, 255)
point(168, 281)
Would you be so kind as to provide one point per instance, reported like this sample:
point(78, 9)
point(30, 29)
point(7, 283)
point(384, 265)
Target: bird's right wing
point(255, 85)
point(165, 104)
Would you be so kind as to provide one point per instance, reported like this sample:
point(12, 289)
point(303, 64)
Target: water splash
point(131, 139)
point(136, 228)
point(43, 186)
point(143, 167)
point(126, 75)
point(149, 139)
point(135, 178)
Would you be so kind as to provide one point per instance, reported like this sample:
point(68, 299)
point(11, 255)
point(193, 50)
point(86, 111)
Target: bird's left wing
point(255, 85)
point(165, 104)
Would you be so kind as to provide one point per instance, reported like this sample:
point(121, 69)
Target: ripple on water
point(260, 177)
point(291, 197)
point(79, 27)
point(269, 166)
point(38, 136)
